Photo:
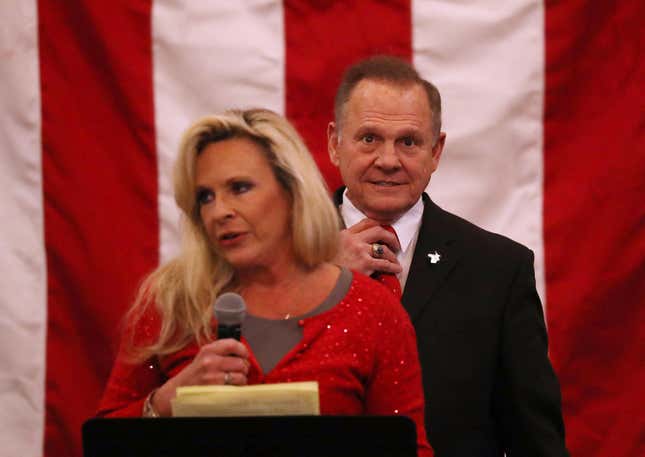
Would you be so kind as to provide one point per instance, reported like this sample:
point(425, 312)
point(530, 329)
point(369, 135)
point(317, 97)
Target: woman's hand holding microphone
point(220, 362)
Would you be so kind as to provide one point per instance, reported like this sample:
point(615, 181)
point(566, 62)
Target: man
point(471, 295)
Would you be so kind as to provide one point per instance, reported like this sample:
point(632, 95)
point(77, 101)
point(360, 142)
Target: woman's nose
point(218, 211)
point(223, 210)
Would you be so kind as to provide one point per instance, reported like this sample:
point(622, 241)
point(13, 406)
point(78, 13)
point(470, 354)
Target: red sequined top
point(362, 352)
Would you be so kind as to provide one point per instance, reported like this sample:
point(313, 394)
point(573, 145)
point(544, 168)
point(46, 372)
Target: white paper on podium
point(282, 399)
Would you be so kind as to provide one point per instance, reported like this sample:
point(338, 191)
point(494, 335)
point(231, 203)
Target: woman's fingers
point(227, 346)
point(231, 363)
point(233, 378)
point(213, 361)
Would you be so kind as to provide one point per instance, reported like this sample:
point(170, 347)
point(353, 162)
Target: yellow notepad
point(283, 399)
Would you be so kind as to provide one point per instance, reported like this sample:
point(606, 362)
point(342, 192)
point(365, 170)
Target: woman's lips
point(231, 238)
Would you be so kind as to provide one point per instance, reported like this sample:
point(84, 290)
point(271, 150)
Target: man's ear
point(437, 149)
point(332, 143)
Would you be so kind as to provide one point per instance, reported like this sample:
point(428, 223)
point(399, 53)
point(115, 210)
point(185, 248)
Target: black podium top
point(284, 436)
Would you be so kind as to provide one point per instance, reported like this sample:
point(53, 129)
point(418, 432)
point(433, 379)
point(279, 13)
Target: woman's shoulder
point(372, 308)
point(373, 295)
point(141, 326)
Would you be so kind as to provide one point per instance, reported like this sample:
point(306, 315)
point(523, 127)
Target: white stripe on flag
point(488, 62)
point(23, 301)
point(210, 56)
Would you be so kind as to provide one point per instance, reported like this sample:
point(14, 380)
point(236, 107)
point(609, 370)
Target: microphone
point(229, 309)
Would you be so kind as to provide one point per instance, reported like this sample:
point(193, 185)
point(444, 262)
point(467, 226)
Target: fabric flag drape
point(546, 144)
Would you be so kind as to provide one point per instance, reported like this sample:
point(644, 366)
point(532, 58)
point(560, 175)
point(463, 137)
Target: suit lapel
point(338, 200)
point(425, 277)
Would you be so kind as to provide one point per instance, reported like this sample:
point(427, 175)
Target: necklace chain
point(293, 312)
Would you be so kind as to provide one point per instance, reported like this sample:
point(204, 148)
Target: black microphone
point(229, 309)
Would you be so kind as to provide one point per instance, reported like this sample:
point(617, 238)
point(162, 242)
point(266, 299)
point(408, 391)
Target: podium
point(284, 436)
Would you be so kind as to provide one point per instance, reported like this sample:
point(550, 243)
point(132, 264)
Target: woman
point(259, 222)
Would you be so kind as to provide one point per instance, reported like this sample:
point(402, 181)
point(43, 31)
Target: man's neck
point(353, 214)
point(406, 224)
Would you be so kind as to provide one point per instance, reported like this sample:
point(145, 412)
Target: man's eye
point(368, 139)
point(409, 141)
point(204, 196)
point(240, 187)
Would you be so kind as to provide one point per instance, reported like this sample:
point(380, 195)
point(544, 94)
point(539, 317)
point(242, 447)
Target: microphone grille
point(229, 309)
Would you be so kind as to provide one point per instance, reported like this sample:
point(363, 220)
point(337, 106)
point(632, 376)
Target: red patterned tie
point(388, 279)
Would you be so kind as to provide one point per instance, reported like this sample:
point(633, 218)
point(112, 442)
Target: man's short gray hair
point(388, 69)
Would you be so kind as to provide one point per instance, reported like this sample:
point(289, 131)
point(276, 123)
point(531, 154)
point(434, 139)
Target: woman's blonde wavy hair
point(183, 289)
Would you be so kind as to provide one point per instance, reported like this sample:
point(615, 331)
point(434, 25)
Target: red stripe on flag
point(594, 225)
point(100, 194)
point(322, 39)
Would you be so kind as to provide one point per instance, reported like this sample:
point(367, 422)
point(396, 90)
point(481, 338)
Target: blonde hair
point(183, 289)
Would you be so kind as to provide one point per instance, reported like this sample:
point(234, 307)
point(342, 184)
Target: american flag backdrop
point(544, 111)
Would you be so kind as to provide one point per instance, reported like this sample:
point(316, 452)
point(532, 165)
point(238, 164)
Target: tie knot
point(390, 229)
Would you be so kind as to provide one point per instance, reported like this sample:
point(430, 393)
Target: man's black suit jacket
point(488, 382)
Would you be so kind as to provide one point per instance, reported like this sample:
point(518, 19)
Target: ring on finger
point(227, 378)
point(377, 250)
